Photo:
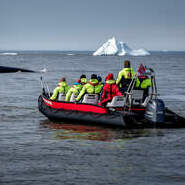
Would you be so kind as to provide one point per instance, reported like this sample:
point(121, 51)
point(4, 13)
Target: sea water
point(34, 150)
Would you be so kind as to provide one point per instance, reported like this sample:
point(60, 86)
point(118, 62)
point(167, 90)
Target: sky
point(87, 24)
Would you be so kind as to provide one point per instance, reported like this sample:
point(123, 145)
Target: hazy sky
point(86, 24)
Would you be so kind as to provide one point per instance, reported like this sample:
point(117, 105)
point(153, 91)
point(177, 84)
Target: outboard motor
point(155, 111)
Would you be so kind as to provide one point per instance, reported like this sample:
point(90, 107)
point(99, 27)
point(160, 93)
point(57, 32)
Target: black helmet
point(94, 76)
point(82, 76)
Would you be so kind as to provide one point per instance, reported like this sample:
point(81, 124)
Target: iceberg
point(108, 48)
point(114, 47)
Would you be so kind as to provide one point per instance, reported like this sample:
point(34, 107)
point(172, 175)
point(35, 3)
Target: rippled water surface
point(34, 150)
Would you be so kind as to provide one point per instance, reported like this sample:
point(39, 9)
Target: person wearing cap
point(62, 87)
point(76, 88)
point(125, 76)
point(92, 87)
point(110, 90)
point(83, 79)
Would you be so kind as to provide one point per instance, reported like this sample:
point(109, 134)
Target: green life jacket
point(125, 77)
point(74, 89)
point(63, 88)
point(144, 83)
point(93, 87)
point(83, 81)
point(110, 81)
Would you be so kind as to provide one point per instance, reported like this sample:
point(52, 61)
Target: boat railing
point(134, 96)
point(45, 88)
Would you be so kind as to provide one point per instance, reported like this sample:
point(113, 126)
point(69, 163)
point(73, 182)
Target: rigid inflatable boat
point(129, 111)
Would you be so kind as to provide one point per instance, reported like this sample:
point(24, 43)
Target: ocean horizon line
point(59, 50)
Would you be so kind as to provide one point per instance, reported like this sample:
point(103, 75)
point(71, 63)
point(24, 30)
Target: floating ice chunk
point(139, 52)
point(8, 53)
point(70, 54)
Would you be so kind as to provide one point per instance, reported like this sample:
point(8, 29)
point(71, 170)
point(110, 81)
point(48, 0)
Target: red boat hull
point(94, 114)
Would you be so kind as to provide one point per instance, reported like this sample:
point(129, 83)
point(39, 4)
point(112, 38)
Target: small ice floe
point(70, 54)
point(9, 54)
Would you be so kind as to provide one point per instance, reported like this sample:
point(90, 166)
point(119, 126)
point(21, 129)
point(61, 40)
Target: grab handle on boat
point(44, 85)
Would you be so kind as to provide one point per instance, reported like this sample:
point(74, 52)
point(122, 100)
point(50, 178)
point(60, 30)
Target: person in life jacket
point(110, 90)
point(100, 81)
point(62, 87)
point(92, 87)
point(83, 79)
point(76, 88)
point(144, 83)
point(125, 77)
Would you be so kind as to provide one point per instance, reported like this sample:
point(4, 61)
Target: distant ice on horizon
point(114, 47)
point(70, 54)
point(9, 54)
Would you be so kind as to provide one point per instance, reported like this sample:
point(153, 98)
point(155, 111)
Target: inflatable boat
point(129, 111)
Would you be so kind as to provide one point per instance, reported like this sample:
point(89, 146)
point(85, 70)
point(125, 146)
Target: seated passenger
point(63, 88)
point(100, 81)
point(92, 87)
point(76, 88)
point(83, 79)
point(110, 90)
point(144, 84)
point(125, 77)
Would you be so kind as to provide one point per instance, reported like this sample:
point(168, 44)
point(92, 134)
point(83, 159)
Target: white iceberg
point(114, 47)
point(108, 48)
